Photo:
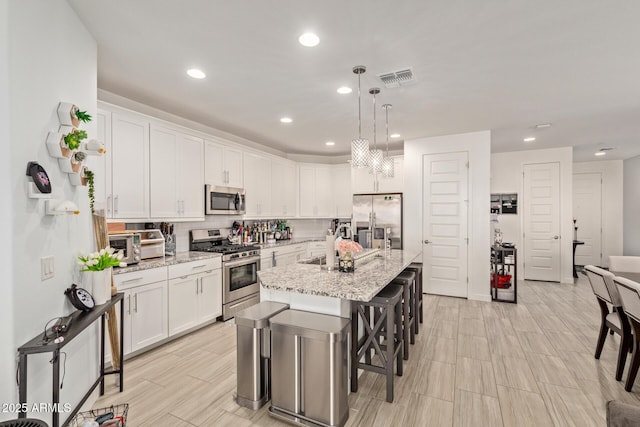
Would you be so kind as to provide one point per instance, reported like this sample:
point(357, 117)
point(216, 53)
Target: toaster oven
point(129, 244)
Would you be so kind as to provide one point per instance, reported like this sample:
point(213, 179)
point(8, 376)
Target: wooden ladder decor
point(102, 241)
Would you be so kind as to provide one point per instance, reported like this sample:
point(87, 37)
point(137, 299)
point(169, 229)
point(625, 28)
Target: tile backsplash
point(302, 228)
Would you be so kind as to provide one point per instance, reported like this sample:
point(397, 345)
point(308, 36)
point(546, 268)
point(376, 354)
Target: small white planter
point(65, 165)
point(67, 114)
point(56, 146)
point(93, 147)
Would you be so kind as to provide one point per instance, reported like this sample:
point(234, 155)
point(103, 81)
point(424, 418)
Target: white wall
point(7, 348)
point(506, 177)
point(632, 206)
point(478, 145)
point(612, 203)
point(51, 58)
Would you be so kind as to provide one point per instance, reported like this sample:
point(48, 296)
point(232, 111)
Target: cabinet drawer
point(194, 267)
point(137, 278)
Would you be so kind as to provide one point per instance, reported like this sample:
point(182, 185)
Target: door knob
point(426, 242)
point(556, 237)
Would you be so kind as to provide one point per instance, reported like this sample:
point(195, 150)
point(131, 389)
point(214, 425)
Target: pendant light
point(359, 146)
point(387, 162)
point(376, 155)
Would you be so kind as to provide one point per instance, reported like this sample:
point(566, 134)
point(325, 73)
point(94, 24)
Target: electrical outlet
point(47, 267)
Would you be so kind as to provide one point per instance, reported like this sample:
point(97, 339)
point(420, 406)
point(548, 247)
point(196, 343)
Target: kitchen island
point(311, 288)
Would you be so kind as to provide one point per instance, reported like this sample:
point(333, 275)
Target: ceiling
point(499, 65)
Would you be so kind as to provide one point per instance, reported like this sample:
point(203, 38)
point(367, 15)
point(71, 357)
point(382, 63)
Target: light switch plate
point(47, 267)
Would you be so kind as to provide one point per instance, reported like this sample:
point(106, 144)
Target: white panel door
point(183, 303)
point(542, 222)
point(210, 295)
point(342, 194)
point(214, 172)
point(587, 210)
point(323, 191)
point(233, 166)
point(445, 223)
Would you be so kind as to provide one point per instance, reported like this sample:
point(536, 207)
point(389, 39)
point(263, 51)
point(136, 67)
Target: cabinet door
point(214, 174)
point(190, 193)
point(164, 173)
point(148, 315)
point(130, 166)
point(210, 296)
point(395, 184)
point(342, 195)
point(233, 166)
point(128, 310)
point(362, 181)
point(183, 303)
point(257, 184)
point(101, 165)
point(325, 205)
point(306, 194)
point(283, 188)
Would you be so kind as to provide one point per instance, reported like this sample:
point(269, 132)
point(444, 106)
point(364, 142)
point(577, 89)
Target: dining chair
point(630, 296)
point(606, 294)
point(628, 264)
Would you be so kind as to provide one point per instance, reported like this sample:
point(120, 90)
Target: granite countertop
point(362, 285)
point(288, 242)
point(179, 258)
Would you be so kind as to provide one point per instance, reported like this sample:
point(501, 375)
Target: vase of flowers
point(98, 267)
point(347, 249)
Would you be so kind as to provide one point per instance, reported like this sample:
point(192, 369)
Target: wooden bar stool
point(408, 281)
point(416, 267)
point(387, 324)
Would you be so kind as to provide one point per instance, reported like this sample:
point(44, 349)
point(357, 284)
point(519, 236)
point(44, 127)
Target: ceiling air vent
point(397, 78)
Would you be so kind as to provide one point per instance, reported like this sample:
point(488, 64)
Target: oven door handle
point(241, 261)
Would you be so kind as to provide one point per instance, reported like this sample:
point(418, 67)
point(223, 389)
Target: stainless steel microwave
point(223, 200)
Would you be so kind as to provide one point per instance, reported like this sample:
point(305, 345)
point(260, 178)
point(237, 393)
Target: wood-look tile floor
point(473, 364)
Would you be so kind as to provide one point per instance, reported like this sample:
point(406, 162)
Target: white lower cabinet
point(145, 307)
point(194, 298)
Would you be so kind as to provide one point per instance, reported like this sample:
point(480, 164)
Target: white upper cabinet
point(223, 165)
point(101, 165)
point(395, 184)
point(177, 181)
point(342, 194)
point(283, 188)
point(257, 184)
point(129, 196)
point(315, 191)
point(364, 182)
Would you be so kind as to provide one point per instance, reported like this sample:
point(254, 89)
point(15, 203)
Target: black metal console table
point(81, 321)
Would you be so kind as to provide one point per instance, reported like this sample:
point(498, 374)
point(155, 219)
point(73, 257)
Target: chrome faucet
point(340, 227)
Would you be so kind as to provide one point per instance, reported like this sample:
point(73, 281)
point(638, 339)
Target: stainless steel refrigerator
point(378, 214)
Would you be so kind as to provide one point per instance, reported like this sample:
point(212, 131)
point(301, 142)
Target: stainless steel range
point(240, 265)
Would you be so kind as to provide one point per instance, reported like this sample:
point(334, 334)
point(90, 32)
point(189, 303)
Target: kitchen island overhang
point(310, 288)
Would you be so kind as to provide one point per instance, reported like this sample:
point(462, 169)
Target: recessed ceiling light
point(529, 139)
point(330, 143)
point(543, 125)
point(344, 90)
point(309, 40)
point(395, 135)
point(600, 153)
point(196, 74)
point(286, 120)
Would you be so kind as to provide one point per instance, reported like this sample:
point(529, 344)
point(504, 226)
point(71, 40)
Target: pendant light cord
point(386, 112)
point(359, 111)
point(374, 121)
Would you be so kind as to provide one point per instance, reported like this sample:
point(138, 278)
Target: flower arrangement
point(348, 247)
point(102, 260)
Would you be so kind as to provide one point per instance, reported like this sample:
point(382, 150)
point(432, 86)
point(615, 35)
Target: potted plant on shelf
point(70, 115)
point(98, 267)
point(73, 139)
point(76, 160)
point(89, 178)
